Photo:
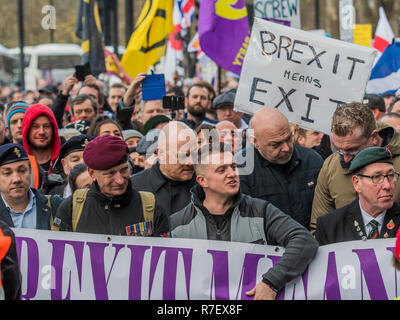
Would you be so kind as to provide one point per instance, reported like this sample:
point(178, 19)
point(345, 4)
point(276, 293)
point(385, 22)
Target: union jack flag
point(186, 7)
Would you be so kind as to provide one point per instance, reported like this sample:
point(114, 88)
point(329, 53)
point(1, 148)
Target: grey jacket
point(249, 220)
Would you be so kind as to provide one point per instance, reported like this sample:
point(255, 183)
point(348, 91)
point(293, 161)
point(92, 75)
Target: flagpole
point(115, 27)
point(316, 14)
point(51, 29)
point(21, 43)
point(128, 20)
point(219, 80)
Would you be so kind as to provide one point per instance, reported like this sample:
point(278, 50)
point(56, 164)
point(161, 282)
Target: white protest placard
point(303, 75)
point(287, 11)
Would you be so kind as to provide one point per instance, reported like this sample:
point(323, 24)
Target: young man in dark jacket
point(219, 211)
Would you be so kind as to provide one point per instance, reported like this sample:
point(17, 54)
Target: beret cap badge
point(17, 152)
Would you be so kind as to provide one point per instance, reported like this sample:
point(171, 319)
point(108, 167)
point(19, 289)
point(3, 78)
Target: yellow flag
point(148, 41)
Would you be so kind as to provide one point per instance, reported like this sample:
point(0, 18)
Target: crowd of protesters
point(97, 158)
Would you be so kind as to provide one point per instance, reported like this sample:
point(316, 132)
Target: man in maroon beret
point(111, 204)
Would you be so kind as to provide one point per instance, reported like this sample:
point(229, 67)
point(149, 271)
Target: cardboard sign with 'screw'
point(303, 75)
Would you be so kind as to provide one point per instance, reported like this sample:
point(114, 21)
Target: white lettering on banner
point(286, 10)
point(303, 75)
point(89, 266)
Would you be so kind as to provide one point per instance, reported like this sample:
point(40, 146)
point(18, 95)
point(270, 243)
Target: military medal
point(359, 231)
point(143, 229)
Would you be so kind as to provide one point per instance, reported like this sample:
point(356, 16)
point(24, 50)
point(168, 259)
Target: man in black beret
point(374, 214)
point(20, 205)
point(111, 205)
point(71, 154)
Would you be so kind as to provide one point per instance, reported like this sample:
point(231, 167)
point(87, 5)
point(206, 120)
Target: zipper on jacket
point(218, 234)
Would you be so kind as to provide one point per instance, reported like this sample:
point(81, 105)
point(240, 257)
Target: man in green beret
point(374, 214)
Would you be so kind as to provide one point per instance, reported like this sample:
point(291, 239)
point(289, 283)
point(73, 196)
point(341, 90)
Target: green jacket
point(334, 186)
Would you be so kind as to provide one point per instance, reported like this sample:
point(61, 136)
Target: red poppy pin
point(386, 235)
point(390, 225)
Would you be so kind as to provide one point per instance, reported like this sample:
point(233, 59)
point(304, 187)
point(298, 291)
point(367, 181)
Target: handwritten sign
point(303, 75)
point(280, 10)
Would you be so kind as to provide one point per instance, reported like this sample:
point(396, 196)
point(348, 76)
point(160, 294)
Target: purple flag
point(224, 32)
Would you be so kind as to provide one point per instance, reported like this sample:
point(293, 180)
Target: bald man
point(229, 134)
point(284, 173)
point(172, 176)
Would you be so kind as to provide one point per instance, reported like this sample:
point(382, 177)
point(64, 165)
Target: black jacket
point(289, 187)
point(341, 224)
point(10, 274)
point(43, 211)
point(249, 220)
point(109, 215)
point(172, 196)
point(58, 107)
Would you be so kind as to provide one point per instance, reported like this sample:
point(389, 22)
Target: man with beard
point(172, 176)
point(41, 141)
point(285, 174)
point(354, 129)
point(197, 99)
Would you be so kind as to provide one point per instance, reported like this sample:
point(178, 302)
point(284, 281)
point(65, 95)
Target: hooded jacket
point(335, 189)
point(31, 114)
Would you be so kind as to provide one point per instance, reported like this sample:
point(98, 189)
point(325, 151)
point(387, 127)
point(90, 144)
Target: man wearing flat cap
point(374, 214)
point(224, 104)
point(111, 205)
point(20, 205)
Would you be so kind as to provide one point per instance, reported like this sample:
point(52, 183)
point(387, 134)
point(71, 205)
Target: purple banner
point(75, 266)
point(224, 32)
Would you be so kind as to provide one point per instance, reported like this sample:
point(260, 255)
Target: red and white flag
point(384, 34)
point(182, 19)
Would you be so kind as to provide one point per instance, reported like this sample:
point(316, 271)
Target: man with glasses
point(284, 173)
point(374, 214)
point(354, 128)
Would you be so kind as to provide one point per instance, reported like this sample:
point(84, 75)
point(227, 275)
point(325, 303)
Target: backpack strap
point(48, 203)
point(78, 202)
point(148, 205)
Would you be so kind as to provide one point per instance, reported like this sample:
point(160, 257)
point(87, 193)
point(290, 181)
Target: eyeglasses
point(379, 178)
point(352, 153)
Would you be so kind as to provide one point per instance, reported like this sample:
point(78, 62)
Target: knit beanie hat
point(19, 106)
